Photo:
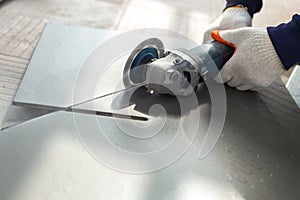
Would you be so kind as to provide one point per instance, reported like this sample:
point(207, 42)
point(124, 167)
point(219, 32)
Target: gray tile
point(54, 66)
point(74, 64)
point(255, 157)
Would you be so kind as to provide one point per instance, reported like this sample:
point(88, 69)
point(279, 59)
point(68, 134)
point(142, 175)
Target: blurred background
point(189, 17)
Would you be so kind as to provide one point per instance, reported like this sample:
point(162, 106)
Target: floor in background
point(22, 21)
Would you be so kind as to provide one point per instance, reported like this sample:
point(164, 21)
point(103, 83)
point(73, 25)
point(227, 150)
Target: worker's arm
point(237, 14)
point(285, 37)
point(286, 40)
point(262, 54)
point(255, 63)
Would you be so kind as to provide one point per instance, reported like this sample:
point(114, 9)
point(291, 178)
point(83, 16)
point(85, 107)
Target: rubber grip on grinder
point(214, 55)
point(225, 53)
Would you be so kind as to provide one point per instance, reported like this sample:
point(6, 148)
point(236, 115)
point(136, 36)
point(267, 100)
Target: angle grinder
point(174, 72)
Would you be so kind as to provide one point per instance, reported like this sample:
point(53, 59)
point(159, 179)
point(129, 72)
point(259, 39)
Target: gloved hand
point(231, 18)
point(255, 63)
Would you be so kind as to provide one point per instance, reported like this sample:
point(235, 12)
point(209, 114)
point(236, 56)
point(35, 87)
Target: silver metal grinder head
point(159, 70)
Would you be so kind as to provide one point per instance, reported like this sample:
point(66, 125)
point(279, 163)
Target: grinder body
point(175, 72)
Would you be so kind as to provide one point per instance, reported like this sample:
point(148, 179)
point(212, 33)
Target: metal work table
point(256, 155)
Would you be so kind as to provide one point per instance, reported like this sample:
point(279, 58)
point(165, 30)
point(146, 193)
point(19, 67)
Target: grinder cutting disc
point(144, 53)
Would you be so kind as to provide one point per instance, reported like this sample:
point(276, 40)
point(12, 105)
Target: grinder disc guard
point(144, 53)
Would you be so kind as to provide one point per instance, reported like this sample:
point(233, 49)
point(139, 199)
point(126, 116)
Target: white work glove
point(231, 18)
point(255, 63)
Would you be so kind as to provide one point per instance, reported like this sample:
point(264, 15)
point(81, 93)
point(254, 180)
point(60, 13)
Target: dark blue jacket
point(285, 37)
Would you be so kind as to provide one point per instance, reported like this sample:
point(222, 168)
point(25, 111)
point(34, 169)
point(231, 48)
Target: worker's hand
point(255, 63)
point(231, 18)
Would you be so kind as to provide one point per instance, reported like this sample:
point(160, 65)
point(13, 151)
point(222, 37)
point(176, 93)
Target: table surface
point(65, 155)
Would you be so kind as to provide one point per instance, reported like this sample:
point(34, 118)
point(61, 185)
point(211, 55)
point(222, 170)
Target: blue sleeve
point(253, 6)
point(286, 41)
